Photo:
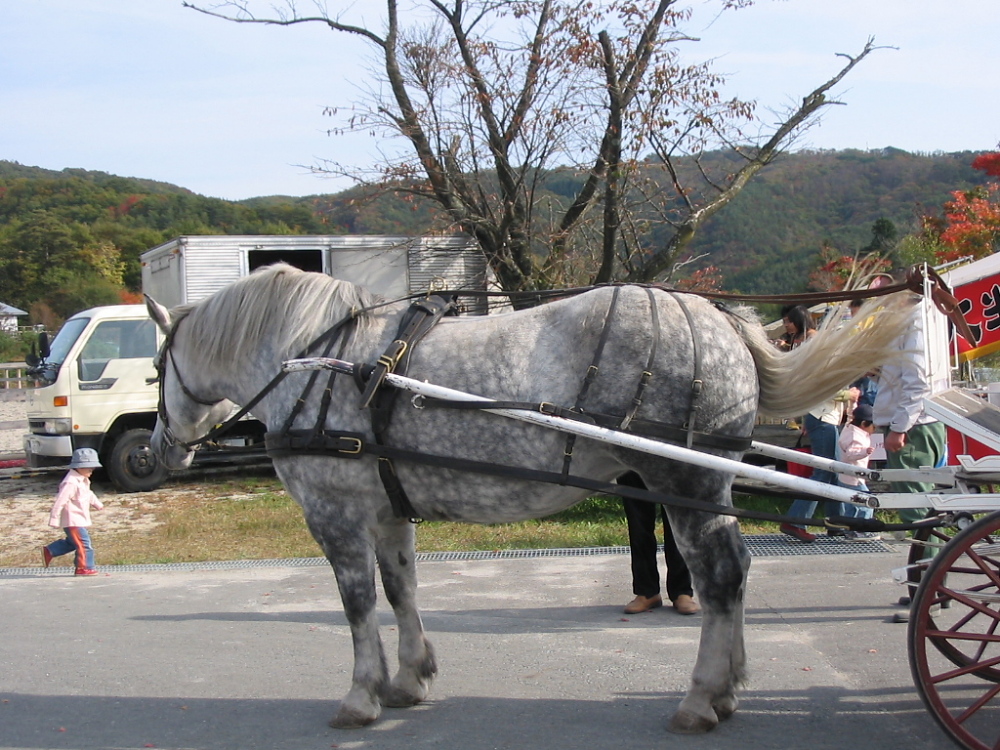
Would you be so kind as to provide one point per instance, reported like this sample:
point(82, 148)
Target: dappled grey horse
point(226, 348)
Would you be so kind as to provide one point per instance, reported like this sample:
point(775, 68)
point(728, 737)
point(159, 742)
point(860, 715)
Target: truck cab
point(97, 389)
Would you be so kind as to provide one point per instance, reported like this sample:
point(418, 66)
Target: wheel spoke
point(981, 559)
point(986, 698)
point(951, 635)
point(968, 669)
point(972, 603)
point(991, 633)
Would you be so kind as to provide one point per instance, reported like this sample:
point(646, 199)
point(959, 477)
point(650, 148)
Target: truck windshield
point(59, 348)
point(61, 345)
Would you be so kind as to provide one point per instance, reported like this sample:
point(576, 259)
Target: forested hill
point(768, 239)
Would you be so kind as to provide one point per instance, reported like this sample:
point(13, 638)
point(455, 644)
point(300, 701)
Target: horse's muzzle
point(174, 454)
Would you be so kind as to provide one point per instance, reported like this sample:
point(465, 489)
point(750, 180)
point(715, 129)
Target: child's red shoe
point(46, 556)
point(86, 571)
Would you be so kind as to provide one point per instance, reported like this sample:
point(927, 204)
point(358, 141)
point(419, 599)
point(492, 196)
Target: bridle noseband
point(161, 407)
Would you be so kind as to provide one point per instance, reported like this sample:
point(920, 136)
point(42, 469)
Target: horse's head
point(188, 408)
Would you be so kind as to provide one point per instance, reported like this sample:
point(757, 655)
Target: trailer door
point(306, 260)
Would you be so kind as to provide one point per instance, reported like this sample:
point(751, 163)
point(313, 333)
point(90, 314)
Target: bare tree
point(498, 100)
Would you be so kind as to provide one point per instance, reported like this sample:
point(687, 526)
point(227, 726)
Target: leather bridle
point(341, 326)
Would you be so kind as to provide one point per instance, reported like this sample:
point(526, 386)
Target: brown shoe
point(643, 604)
point(685, 605)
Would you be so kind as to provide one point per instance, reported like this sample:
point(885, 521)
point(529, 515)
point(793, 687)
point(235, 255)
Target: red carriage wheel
point(927, 541)
point(954, 636)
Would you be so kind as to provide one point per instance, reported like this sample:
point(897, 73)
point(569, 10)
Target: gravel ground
point(13, 422)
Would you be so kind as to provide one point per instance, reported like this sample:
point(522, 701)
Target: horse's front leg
point(417, 667)
point(350, 550)
point(719, 562)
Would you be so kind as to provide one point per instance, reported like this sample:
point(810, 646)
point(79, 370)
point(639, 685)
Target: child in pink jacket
point(855, 446)
point(71, 513)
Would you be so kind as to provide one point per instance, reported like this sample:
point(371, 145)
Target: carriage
point(623, 377)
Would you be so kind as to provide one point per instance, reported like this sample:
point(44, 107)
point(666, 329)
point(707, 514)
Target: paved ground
point(533, 653)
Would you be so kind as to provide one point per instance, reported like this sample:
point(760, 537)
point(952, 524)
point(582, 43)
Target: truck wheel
point(132, 466)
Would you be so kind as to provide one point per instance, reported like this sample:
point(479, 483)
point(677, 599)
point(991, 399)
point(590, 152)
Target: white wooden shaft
point(944, 476)
point(808, 459)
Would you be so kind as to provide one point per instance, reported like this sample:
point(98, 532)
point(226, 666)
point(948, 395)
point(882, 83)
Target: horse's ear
point(159, 314)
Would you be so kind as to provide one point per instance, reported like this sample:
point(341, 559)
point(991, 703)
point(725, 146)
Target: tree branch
point(663, 259)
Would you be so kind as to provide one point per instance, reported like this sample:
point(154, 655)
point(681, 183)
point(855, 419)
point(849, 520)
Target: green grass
point(253, 518)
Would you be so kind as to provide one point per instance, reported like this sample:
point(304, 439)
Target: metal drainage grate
point(779, 545)
point(760, 545)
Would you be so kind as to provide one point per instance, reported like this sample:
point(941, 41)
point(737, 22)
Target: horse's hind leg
point(350, 551)
point(719, 561)
point(417, 667)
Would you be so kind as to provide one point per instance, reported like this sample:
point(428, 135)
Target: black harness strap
point(418, 320)
point(325, 404)
point(313, 443)
point(610, 488)
point(353, 445)
point(663, 431)
point(647, 373)
point(590, 377)
point(697, 384)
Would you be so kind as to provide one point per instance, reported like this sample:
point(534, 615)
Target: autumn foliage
point(988, 163)
point(708, 279)
point(971, 223)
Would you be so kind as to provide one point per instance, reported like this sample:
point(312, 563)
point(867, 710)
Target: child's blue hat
point(84, 458)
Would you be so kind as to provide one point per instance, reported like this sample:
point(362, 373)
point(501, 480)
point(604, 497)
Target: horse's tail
point(792, 383)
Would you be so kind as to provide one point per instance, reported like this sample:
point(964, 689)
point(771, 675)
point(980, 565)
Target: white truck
point(98, 384)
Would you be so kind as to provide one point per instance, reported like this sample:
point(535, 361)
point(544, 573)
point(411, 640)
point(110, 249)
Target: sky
point(150, 89)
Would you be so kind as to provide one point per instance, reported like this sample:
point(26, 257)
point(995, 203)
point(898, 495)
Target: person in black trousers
point(641, 517)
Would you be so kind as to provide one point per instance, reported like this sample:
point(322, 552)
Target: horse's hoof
point(726, 707)
point(686, 722)
point(398, 698)
point(347, 718)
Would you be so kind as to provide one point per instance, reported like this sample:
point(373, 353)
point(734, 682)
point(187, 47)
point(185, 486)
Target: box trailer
point(187, 269)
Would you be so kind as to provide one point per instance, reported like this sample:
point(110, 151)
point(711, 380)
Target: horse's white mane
point(290, 306)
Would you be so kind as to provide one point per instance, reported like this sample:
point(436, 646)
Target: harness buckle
point(357, 443)
point(696, 386)
point(547, 408)
point(401, 347)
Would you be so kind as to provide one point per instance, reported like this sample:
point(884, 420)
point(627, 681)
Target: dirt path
point(13, 422)
point(25, 502)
